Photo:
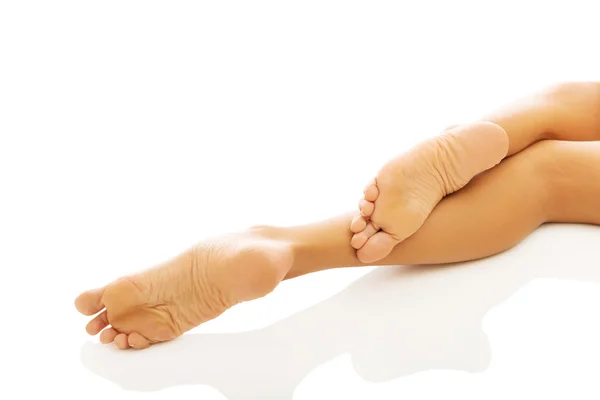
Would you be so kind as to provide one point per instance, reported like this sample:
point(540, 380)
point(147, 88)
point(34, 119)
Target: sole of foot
point(163, 302)
point(406, 190)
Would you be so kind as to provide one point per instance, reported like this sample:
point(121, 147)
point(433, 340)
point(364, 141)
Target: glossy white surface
point(131, 129)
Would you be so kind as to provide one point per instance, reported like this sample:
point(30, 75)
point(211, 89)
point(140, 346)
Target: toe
point(371, 192)
point(366, 207)
point(108, 335)
point(97, 324)
point(359, 239)
point(358, 224)
point(137, 341)
point(121, 341)
point(90, 302)
point(376, 247)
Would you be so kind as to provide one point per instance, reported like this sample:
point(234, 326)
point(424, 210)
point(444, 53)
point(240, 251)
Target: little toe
point(359, 223)
point(376, 247)
point(97, 324)
point(121, 341)
point(371, 192)
point(366, 207)
point(108, 335)
point(90, 302)
point(359, 239)
point(137, 341)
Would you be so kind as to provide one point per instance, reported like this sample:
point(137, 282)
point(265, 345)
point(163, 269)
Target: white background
point(131, 129)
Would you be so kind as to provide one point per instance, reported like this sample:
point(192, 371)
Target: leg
point(494, 212)
point(408, 187)
point(551, 181)
point(569, 112)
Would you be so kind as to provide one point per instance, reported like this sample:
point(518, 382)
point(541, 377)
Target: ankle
point(280, 237)
point(302, 252)
point(266, 232)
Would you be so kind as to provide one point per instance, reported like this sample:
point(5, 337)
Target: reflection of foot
point(164, 302)
point(408, 187)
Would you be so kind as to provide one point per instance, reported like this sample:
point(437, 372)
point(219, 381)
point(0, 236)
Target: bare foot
point(407, 188)
point(162, 303)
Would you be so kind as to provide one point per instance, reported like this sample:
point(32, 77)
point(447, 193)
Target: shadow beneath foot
point(394, 321)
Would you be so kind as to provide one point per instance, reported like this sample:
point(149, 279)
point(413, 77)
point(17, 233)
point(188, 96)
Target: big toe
point(90, 302)
point(376, 247)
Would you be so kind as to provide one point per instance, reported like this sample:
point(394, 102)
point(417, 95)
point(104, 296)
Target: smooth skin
point(408, 187)
point(552, 181)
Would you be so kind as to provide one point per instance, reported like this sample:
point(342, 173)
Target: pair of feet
point(162, 303)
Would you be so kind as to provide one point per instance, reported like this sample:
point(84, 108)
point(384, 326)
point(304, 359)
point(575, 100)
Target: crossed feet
point(200, 284)
point(405, 191)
